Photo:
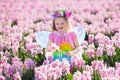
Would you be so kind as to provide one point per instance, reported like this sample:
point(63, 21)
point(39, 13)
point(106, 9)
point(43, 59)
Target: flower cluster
point(21, 58)
point(63, 13)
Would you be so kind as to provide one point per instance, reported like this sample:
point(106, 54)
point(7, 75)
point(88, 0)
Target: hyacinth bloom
point(91, 38)
point(117, 73)
point(17, 76)
point(90, 53)
point(110, 50)
point(84, 44)
point(3, 60)
point(99, 51)
point(89, 68)
point(53, 47)
point(107, 72)
point(76, 61)
point(29, 64)
point(97, 65)
point(29, 16)
point(77, 75)
point(2, 78)
point(110, 78)
point(85, 76)
point(53, 70)
point(117, 65)
point(17, 65)
point(1, 69)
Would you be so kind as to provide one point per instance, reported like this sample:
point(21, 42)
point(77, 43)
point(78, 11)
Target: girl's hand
point(69, 53)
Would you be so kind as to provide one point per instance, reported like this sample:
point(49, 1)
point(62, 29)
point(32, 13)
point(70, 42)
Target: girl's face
point(61, 24)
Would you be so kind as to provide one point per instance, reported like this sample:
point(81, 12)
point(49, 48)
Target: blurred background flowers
point(21, 58)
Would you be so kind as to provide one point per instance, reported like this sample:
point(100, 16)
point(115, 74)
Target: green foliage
point(39, 58)
point(1, 33)
point(13, 23)
point(111, 60)
point(28, 74)
point(25, 34)
point(96, 75)
point(67, 77)
point(111, 34)
point(96, 44)
point(0, 56)
point(88, 22)
point(86, 37)
point(10, 56)
point(23, 54)
point(37, 21)
point(117, 55)
point(87, 59)
point(74, 69)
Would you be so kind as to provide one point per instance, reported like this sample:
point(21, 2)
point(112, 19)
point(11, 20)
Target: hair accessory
point(63, 13)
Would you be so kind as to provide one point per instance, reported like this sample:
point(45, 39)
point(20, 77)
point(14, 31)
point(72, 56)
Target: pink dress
point(66, 43)
point(59, 38)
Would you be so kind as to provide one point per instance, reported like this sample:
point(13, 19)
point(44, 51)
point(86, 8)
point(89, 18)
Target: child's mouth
point(60, 27)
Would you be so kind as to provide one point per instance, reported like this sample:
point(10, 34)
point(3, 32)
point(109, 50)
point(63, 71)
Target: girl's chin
point(61, 30)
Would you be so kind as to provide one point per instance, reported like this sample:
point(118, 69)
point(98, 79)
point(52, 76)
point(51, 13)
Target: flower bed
point(21, 58)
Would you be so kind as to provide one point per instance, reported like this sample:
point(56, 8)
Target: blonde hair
point(66, 19)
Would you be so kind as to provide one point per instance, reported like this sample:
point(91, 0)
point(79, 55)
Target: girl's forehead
point(60, 19)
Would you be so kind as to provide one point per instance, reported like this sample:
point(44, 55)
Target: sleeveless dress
point(65, 41)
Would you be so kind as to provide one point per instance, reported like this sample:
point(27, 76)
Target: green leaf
point(28, 74)
point(81, 70)
point(23, 54)
point(37, 21)
point(13, 23)
point(74, 69)
point(69, 77)
point(96, 75)
point(39, 58)
point(86, 59)
point(25, 34)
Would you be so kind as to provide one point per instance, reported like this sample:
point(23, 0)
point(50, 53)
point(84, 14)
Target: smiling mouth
point(60, 27)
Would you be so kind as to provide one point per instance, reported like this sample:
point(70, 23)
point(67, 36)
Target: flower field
point(21, 58)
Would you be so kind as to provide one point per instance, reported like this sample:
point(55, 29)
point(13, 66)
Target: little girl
point(62, 36)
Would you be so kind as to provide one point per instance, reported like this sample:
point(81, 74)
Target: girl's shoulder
point(72, 34)
point(54, 33)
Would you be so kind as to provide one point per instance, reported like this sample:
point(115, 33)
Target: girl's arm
point(77, 46)
point(76, 43)
point(48, 46)
point(76, 50)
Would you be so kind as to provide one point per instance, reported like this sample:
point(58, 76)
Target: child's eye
point(57, 23)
